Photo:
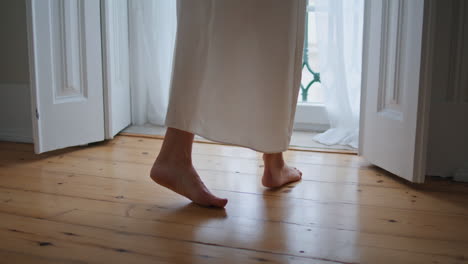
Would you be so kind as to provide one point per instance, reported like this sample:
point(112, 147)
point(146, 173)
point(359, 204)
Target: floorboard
point(96, 204)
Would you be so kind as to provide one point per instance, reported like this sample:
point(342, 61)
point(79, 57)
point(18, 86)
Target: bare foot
point(173, 169)
point(185, 181)
point(277, 173)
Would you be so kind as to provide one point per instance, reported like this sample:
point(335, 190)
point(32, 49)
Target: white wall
point(448, 126)
point(15, 110)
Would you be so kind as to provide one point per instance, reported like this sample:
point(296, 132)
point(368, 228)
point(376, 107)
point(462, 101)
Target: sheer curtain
point(339, 36)
point(152, 28)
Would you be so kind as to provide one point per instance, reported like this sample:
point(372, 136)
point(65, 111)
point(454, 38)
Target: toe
point(300, 172)
point(221, 203)
point(218, 202)
point(215, 201)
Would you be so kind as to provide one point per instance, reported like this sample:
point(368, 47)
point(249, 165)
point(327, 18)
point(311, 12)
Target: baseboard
point(15, 138)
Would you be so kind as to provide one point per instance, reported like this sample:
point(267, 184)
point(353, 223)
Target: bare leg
point(173, 169)
point(277, 173)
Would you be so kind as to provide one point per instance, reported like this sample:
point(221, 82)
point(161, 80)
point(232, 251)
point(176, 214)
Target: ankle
point(174, 159)
point(274, 160)
point(176, 149)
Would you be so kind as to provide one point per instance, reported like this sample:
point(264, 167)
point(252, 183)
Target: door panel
point(116, 66)
point(66, 74)
point(391, 98)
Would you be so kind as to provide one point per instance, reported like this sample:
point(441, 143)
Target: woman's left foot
point(277, 173)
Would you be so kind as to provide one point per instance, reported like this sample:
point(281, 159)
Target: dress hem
point(194, 131)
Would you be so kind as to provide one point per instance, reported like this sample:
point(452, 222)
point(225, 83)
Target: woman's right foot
point(184, 180)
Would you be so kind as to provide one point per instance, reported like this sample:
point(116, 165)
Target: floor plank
point(99, 201)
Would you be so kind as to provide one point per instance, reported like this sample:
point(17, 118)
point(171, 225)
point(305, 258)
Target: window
point(311, 114)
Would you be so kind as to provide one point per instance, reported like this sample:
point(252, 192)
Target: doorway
point(311, 116)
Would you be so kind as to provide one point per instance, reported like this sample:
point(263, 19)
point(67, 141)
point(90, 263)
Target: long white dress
point(237, 71)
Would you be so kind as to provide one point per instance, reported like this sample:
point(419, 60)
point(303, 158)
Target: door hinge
point(37, 114)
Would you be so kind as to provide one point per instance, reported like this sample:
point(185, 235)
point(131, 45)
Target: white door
point(395, 93)
point(66, 73)
point(117, 111)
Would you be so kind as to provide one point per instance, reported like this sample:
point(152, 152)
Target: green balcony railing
point(305, 61)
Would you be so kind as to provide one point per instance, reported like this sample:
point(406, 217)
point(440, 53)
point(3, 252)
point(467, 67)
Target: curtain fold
point(152, 31)
point(339, 38)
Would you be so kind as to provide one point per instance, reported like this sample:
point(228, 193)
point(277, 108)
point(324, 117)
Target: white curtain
point(339, 36)
point(152, 30)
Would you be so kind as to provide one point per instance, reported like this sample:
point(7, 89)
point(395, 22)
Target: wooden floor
point(96, 204)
